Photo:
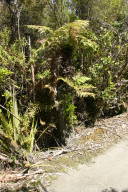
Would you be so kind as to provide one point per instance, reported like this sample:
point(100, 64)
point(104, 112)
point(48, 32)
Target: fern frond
point(40, 30)
point(74, 34)
point(81, 88)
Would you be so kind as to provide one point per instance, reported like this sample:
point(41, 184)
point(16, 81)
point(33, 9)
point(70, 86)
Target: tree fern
point(71, 33)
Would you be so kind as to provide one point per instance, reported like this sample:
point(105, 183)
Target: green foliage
point(101, 71)
point(109, 92)
point(45, 74)
point(79, 79)
point(79, 85)
point(4, 37)
point(28, 128)
point(4, 74)
point(39, 31)
point(21, 129)
point(82, 50)
point(109, 10)
point(69, 109)
point(5, 126)
point(10, 121)
point(71, 33)
point(12, 56)
point(58, 12)
point(71, 42)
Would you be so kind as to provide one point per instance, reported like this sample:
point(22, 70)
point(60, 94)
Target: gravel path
point(107, 170)
point(103, 134)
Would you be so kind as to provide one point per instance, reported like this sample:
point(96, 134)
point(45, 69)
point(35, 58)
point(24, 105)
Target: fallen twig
point(6, 178)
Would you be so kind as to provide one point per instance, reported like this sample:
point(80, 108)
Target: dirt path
point(107, 170)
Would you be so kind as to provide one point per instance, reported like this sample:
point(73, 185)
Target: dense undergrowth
point(55, 77)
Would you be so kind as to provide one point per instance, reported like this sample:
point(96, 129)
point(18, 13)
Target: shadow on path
point(113, 190)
